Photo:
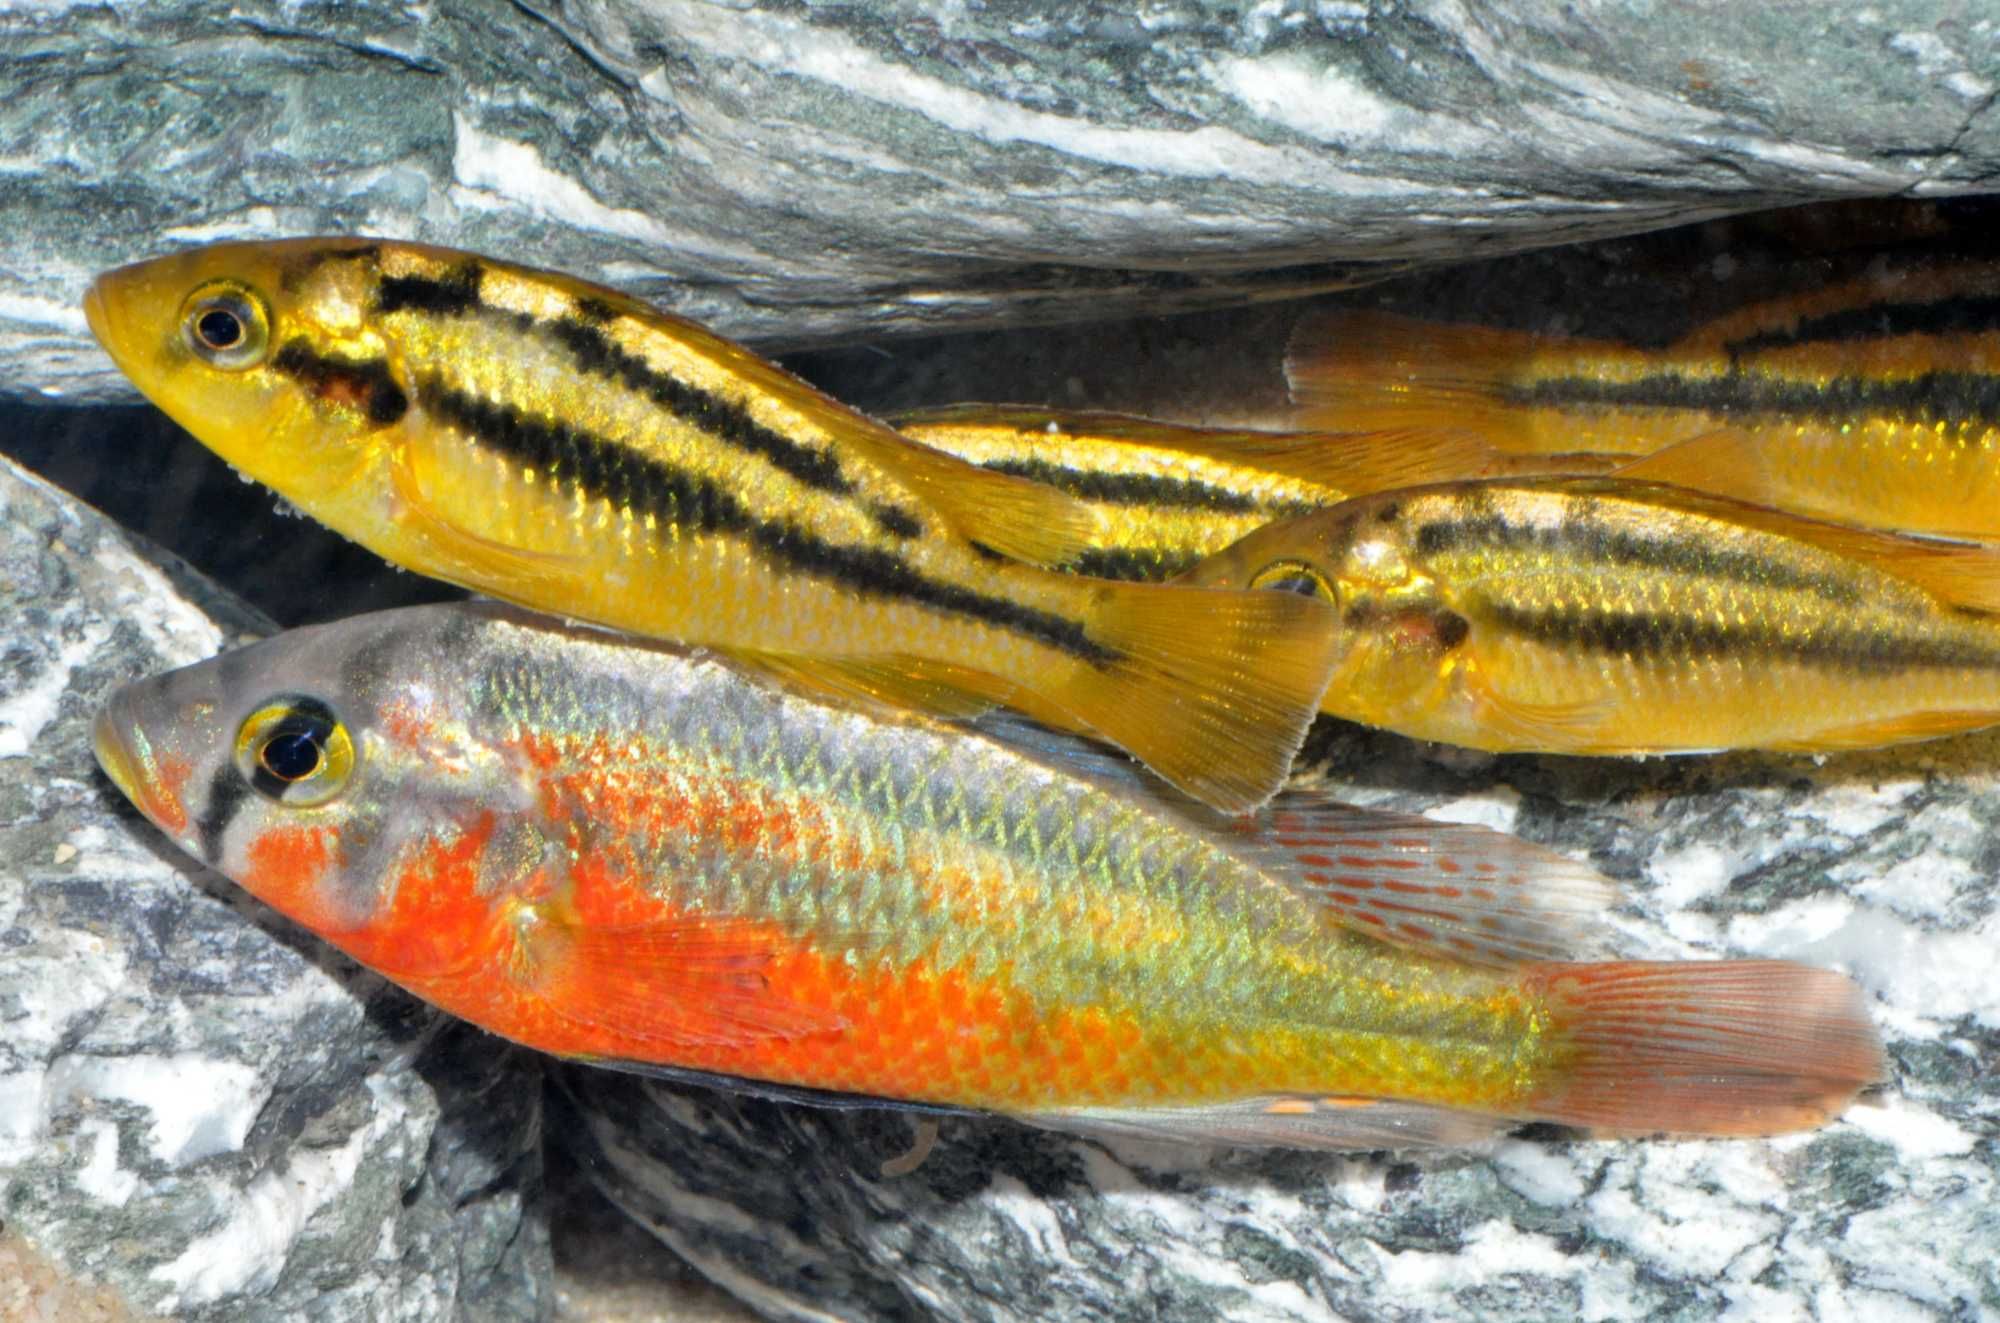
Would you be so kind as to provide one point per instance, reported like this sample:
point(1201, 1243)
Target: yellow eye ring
point(226, 326)
point(1295, 576)
point(294, 751)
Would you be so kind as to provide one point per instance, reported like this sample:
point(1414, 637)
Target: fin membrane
point(1284, 1121)
point(1212, 689)
point(1446, 889)
point(1752, 1047)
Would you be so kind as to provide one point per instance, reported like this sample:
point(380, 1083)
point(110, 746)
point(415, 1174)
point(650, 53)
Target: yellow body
point(1166, 495)
point(1606, 617)
point(1875, 401)
point(558, 445)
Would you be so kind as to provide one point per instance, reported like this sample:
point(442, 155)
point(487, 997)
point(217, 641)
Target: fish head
point(304, 767)
point(266, 353)
point(1359, 558)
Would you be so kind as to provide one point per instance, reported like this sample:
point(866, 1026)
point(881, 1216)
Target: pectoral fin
point(471, 559)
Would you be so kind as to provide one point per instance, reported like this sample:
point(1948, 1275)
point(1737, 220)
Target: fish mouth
point(126, 756)
point(98, 313)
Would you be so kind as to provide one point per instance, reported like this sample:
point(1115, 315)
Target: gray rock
point(198, 1105)
point(808, 172)
point(1880, 865)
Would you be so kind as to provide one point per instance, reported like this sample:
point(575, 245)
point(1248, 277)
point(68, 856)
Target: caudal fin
point(1751, 1047)
point(1356, 370)
point(1212, 689)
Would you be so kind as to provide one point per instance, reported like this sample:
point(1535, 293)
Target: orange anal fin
point(1212, 689)
point(1284, 1121)
point(1751, 1047)
point(690, 981)
point(1443, 888)
point(472, 559)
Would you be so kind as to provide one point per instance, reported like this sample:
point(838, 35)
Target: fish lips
point(128, 757)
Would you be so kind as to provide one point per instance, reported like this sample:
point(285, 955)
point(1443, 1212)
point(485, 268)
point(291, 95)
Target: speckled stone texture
point(199, 1106)
point(1880, 865)
point(805, 172)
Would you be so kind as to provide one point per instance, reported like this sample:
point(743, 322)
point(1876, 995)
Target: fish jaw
point(132, 762)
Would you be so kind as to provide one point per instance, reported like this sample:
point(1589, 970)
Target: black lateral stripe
point(896, 521)
point(729, 422)
point(227, 794)
point(1640, 634)
point(364, 384)
point(606, 470)
point(1129, 488)
point(1965, 315)
point(1138, 564)
point(1586, 539)
point(455, 294)
point(1951, 398)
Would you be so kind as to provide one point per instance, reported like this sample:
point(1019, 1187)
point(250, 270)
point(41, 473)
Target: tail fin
point(1750, 1047)
point(1212, 689)
point(1370, 371)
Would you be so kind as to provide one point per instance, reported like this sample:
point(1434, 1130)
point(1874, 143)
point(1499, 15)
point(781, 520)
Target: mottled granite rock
point(806, 172)
point(1881, 865)
point(197, 1105)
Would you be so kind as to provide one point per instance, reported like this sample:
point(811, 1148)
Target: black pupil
point(290, 756)
point(219, 328)
point(1294, 583)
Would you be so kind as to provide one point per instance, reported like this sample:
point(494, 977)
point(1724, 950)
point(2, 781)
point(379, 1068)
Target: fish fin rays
point(1724, 462)
point(1357, 463)
point(1284, 1120)
point(1903, 729)
point(1355, 370)
point(1013, 516)
point(1212, 689)
point(887, 686)
point(1750, 1047)
point(468, 558)
point(687, 982)
point(1449, 889)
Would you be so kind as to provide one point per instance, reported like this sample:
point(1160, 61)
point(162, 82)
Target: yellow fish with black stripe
point(566, 447)
point(1169, 494)
point(1873, 401)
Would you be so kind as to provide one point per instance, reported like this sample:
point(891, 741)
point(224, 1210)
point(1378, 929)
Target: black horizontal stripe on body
point(1965, 315)
point(1131, 488)
point(723, 419)
point(607, 470)
point(1640, 634)
point(450, 295)
point(1137, 564)
point(1934, 397)
point(1589, 540)
point(364, 384)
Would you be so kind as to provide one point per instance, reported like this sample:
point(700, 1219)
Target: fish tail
point(1212, 689)
point(1751, 1047)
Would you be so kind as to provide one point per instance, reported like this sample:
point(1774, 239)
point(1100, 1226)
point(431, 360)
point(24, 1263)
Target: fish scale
point(744, 882)
point(1616, 616)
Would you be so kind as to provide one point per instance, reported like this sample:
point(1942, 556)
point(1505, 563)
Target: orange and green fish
point(1605, 616)
point(1167, 494)
point(560, 445)
point(1875, 401)
point(640, 857)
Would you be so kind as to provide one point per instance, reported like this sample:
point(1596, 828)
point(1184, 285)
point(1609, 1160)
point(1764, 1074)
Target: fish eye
point(1293, 576)
point(226, 326)
point(294, 751)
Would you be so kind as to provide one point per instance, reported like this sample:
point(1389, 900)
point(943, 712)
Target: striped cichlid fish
point(1614, 617)
point(1875, 401)
point(640, 857)
point(1167, 494)
point(565, 447)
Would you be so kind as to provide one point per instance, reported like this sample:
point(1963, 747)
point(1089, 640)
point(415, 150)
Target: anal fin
point(1284, 1121)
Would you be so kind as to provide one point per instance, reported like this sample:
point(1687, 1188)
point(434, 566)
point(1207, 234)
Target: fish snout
point(130, 760)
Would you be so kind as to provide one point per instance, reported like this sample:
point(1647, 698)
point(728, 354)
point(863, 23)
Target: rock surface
point(809, 172)
point(198, 1106)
